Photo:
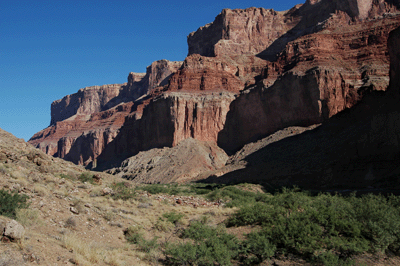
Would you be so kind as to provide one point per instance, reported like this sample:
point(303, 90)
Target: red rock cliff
point(296, 67)
point(315, 77)
point(82, 124)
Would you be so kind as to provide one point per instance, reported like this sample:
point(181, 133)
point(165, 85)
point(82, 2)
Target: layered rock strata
point(248, 74)
point(358, 149)
point(82, 124)
point(314, 78)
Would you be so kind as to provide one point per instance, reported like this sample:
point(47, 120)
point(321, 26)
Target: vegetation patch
point(122, 190)
point(10, 202)
point(134, 235)
point(204, 245)
point(86, 177)
point(323, 229)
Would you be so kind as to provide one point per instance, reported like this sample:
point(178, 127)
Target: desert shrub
point(86, 177)
point(64, 176)
point(109, 216)
point(70, 222)
point(203, 189)
point(326, 228)
point(256, 248)
point(134, 236)
point(171, 189)
point(173, 217)
point(3, 170)
point(235, 196)
point(122, 191)
point(327, 258)
point(11, 202)
point(205, 246)
point(379, 222)
point(163, 226)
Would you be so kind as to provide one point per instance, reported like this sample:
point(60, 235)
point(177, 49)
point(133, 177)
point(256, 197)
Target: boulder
point(14, 230)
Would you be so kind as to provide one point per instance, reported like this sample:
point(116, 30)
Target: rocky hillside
point(76, 217)
point(248, 74)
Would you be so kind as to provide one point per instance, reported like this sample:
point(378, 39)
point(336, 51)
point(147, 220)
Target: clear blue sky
point(49, 49)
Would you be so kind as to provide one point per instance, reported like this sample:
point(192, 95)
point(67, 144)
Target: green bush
point(86, 177)
point(64, 176)
point(173, 217)
point(11, 202)
point(205, 246)
point(171, 189)
point(256, 248)
point(122, 191)
point(135, 236)
point(327, 228)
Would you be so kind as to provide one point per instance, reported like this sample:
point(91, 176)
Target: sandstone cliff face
point(356, 149)
point(167, 120)
point(99, 98)
point(179, 116)
point(266, 32)
point(85, 102)
point(157, 75)
point(82, 124)
point(314, 78)
point(248, 74)
point(236, 32)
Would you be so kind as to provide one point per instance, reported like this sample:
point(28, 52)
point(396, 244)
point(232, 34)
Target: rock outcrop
point(167, 120)
point(314, 78)
point(14, 230)
point(355, 149)
point(82, 124)
point(187, 161)
point(248, 74)
point(266, 31)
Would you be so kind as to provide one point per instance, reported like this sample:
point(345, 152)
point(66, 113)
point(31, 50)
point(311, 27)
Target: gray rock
point(14, 230)
point(74, 210)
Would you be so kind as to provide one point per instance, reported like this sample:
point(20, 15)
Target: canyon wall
point(248, 74)
point(357, 149)
point(319, 75)
point(83, 123)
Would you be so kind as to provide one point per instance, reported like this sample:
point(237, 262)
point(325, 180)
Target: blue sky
point(49, 49)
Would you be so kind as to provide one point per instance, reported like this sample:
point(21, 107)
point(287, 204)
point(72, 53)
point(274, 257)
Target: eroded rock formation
point(248, 74)
point(84, 123)
point(187, 161)
point(315, 77)
point(357, 149)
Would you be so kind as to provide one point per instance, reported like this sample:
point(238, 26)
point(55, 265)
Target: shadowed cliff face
point(358, 148)
point(394, 52)
point(313, 79)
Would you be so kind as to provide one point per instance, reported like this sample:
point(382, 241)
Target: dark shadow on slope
point(356, 149)
point(154, 128)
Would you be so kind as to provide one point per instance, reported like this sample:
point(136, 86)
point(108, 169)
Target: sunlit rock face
point(248, 74)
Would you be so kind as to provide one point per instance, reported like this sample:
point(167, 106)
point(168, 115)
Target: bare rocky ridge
point(71, 222)
point(248, 74)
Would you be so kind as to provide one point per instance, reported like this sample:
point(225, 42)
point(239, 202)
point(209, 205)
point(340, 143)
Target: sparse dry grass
point(40, 190)
point(84, 252)
point(27, 217)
